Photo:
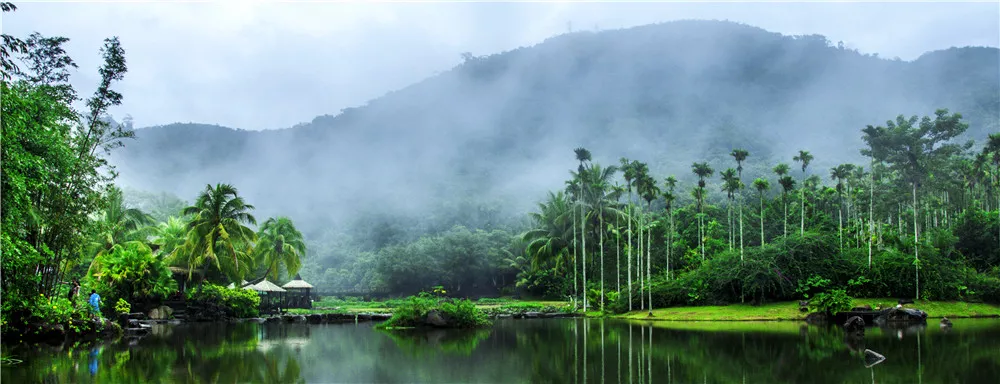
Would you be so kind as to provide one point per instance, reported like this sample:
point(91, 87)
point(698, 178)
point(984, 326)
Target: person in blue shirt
point(95, 301)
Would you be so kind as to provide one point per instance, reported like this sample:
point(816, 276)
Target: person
point(95, 301)
point(74, 289)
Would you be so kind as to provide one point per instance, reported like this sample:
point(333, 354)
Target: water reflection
point(529, 351)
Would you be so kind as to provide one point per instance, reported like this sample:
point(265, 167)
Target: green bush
point(122, 306)
point(240, 302)
point(831, 302)
point(413, 311)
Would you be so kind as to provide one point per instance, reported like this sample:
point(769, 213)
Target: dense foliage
point(457, 313)
point(67, 229)
point(237, 302)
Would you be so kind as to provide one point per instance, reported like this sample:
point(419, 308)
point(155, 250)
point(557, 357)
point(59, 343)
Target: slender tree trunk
point(628, 252)
point(618, 254)
point(784, 202)
point(740, 196)
point(670, 244)
point(729, 222)
point(762, 219)
point(649, 273)
point(583, 236)
point(638, 259)
point(601, 241)
point(871, 213)
point(576, 261)
point(840, 223)
point(802, 192)
point(916, 241)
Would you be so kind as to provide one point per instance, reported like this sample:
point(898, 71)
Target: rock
point(865, 307)
point(162, 312)
point(945, 323)
point(531, 315)
point(816, 318)
point(314, 319)
point(903, 315)
point(803, 305)
point(872, 358)
point(904, 301)
point(855, 324)
point(381, 316)
point(436, 318)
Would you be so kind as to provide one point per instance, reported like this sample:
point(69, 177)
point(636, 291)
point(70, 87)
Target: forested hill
point(501, 128)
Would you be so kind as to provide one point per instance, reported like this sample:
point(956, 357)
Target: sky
point(267, 65)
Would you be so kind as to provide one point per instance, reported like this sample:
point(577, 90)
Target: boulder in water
point(855, 324)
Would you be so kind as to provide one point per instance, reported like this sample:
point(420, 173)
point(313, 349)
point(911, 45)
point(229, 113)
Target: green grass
point(789, 310)
point(354, 306)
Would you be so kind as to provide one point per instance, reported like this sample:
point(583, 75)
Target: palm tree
point(702, 170)
point(628, 172)
point(618, 190)
point(280, 243)
point(600, 196)
point(573, 190)
point(217, 233)
point(649, 192)
point(549, 241)
point(740, 155)
point(582, 155)
point(839, 173)
point(803, 157)
point(730, 184)
point(762, 186)
point(117, 223)
point(992, 148)
point(642, 181)
point(668, 198)
point(782, 171)
point(169, 235)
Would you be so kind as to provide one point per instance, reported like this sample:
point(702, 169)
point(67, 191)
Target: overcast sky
point(272, 65)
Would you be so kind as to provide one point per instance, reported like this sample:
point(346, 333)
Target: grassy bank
point(502, 305)
point(789, 310)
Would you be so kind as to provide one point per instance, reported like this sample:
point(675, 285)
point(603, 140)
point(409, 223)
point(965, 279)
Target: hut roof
point(243, 283)
point(265, 286)
point(297, 283)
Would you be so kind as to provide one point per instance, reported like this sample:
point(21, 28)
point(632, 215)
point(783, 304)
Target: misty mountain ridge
point(498, 131)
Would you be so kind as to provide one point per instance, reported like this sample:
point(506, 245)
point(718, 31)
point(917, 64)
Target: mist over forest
point(481, 144)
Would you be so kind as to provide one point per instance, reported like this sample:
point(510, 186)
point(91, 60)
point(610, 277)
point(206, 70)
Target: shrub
point(413, 311)
point(122, 306)
point(238, 302)
point(831, 302)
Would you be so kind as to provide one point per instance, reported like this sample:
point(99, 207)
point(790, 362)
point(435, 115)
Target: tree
point(280, 243)
point(804, 157)
point(668, 198)
point(762, 186)
point(217, 233)
point(582, 155)
point(629, 173)
point(649, 192)
point(730, 185)
point(740, 155)
point(168, 236)
point(702, 170)
point(992, 150)
point(914, 150)
point(839, 173)
point(786, 185)
point(117, 223)
point(548, 242)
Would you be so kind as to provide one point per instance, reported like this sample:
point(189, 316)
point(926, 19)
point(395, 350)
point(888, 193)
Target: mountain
point(497, 131)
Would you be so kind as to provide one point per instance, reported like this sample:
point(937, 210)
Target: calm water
point(524, 351)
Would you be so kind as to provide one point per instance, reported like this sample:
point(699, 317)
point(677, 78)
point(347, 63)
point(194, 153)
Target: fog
point(407, 131)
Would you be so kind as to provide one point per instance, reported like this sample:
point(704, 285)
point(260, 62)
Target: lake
point(525, 351)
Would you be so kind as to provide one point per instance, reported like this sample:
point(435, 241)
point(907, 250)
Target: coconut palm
point(762, 186)
point(217, 234)
point(804, 157)
point(169, 235)
point(628, 172)
point(549, 241)
point(117, 223)
point(279, 243)
point(600, 197)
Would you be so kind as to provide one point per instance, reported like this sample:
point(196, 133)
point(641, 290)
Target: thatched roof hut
point(297, 283)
